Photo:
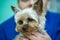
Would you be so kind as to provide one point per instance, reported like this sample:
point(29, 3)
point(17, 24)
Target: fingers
point(36, 36)
point(31, 37)
point(39, 35)
point(21, 38)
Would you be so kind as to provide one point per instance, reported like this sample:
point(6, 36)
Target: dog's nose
point(24, 28)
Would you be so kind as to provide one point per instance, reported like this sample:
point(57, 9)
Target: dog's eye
point(30, 19)
point(20, 22)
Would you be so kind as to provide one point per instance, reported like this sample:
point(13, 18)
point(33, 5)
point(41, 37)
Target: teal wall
point(5, 9)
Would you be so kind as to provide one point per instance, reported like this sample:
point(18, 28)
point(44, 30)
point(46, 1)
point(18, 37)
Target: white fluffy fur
point(28, 11)
point(34, 15)
point(39, 18)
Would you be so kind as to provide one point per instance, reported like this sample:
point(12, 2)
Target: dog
point(29, 20)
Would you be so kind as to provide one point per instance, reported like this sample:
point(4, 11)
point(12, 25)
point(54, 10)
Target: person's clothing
point(7, 29)
point(53, 25)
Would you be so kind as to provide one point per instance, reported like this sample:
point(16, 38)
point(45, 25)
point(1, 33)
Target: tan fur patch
point(38, 6)
point(31, 26)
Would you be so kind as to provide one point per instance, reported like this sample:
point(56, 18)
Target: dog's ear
point(15, 9)
point(38, 6)
point(33, 2)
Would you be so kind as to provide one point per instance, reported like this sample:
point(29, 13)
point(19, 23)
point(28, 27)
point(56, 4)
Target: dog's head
point(26, 20)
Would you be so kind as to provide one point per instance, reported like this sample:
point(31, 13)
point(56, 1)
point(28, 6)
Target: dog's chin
point(26, 33)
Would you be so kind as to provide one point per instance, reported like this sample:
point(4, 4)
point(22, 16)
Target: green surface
point(5, 9)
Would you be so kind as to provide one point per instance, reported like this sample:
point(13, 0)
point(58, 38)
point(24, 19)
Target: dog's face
point(26, 21)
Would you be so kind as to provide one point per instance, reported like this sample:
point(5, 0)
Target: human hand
point(39, 36)
point(21, 38)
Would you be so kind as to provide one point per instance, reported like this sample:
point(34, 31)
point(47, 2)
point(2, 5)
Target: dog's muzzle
point(24, 28)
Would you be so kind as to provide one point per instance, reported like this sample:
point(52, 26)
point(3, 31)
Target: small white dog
point(28, 21)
